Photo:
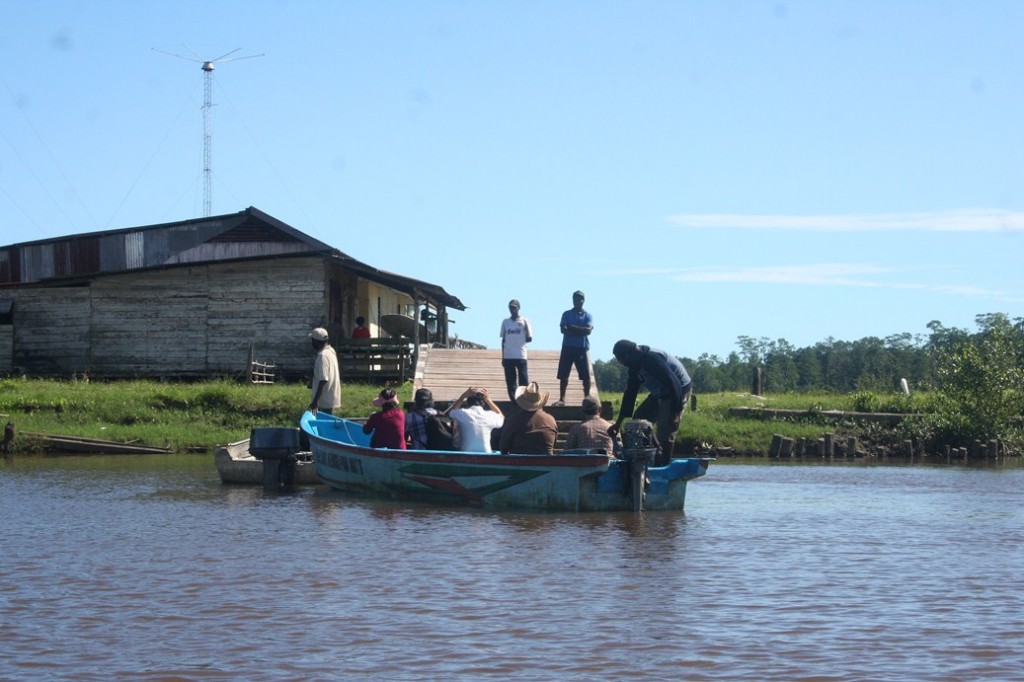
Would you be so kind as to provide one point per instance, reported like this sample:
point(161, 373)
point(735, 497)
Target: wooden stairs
point(447, 372)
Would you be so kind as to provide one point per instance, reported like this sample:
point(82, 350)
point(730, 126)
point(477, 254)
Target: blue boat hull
point(345, 461)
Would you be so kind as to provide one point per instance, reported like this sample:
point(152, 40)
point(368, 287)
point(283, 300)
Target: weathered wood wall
point(51, 330)
point(195, 320)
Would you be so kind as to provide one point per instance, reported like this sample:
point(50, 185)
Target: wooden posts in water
point(827, 447)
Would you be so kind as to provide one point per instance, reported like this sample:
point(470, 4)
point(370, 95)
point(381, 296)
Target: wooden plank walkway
point(448, 372)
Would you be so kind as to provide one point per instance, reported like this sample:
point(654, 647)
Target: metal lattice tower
point(208, 116)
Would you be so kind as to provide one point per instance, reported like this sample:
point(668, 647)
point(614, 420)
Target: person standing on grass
point(326, 384)
point(515, 334)
point(668, 385)
point(576, 325)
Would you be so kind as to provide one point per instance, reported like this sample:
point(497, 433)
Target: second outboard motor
point(277, 448)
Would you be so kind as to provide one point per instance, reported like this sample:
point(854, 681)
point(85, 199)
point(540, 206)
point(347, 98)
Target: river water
point(148, 568)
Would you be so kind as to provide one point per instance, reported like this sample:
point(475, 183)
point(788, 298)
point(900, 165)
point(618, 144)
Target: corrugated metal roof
point(245, 235)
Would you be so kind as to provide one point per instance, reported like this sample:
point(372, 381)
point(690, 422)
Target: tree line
point(976, 376)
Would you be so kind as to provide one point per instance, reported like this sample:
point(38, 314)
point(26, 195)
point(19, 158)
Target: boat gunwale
point(575, 461)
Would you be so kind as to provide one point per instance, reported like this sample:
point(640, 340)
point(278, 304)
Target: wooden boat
point(582, 481)
point(236, 464)
point(76, 444)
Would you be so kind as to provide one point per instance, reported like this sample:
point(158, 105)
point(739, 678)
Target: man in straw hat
point(529, 430)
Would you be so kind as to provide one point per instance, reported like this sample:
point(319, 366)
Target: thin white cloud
point(963, 220)
point(813, 274)
point(845, 274)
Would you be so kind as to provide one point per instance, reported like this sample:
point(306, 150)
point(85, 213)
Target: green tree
point(980, 378)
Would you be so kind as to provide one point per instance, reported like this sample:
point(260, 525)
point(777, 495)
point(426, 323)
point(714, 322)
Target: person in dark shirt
point(668, 385)
point(529, 430)
point(416, 419)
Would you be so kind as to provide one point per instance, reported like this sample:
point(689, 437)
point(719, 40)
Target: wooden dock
point(448, 372)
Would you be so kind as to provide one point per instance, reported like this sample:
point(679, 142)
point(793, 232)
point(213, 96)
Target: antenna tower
point(207, 66)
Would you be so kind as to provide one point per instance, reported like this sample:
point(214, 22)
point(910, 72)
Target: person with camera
point(475, 416)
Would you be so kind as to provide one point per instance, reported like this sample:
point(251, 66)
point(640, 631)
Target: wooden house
point(195, 298)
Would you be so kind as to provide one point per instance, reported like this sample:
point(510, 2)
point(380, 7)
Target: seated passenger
point(529, 430)
point(388, 425)
point(416, 419)
point(476, 420)
point(592, 432)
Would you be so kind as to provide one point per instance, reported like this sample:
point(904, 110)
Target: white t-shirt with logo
point(513, 336)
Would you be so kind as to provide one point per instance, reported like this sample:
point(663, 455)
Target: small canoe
point(235, 464)
point(577, 481)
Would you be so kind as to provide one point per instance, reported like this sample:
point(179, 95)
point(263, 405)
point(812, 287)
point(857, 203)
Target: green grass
point(187, 416)
point(181, 416)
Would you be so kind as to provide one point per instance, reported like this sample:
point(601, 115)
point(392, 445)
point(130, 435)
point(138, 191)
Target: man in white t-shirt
point(326, 384)
point(475, 416)
point(515, 334)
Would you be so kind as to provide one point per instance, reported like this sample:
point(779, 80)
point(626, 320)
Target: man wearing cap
point(591, 433)
point(529, 430)
point(326, 385)
point(515, 334)
point(576, 326)
point(668, 385)
point(416, 419)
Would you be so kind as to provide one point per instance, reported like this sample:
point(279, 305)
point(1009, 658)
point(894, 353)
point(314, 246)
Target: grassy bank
point(188, 416)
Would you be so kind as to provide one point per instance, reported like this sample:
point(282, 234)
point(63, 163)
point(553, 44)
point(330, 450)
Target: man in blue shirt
point(668, 385)
point(576, 325)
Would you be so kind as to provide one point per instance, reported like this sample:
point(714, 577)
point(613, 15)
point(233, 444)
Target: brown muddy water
point(148, 568)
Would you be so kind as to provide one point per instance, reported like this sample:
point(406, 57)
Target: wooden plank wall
point(51, 330)
point(146, 323)
point(6, 348)
point(273, 304)
point(174, 321)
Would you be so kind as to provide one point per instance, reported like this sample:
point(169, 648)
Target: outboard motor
point(639, 448)
point(277, 447)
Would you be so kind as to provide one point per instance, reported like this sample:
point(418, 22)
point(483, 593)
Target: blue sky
point(702, 170)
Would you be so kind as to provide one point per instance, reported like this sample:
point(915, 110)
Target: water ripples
point(149, 569)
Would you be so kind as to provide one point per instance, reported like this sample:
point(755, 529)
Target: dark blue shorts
point(571, 357)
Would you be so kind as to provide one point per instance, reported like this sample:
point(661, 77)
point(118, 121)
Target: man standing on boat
point(576, 325)
point(515, 334)
point(669, 388)
point(326, 385)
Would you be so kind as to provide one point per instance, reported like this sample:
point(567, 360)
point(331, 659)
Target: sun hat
point(319, 334)
point(386, 396)
point(531, 398)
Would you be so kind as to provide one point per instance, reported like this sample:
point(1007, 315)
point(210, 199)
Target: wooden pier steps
point(447, 372)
